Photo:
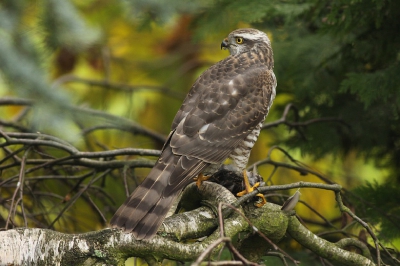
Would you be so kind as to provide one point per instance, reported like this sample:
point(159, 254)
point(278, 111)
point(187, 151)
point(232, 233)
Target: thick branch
point(24, 246)
point(324, 248)
point(112, 246)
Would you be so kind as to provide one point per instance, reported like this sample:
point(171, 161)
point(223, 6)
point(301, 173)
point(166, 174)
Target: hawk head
point(244, 40)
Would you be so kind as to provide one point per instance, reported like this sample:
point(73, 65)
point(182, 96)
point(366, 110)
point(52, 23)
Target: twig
point(301, 184)
point(322, 247)
point(209, 249)
point(4, 135)
point(279, 255)
point(124, 173)
point(344, 209)
point(76, 196)
point(345, 242)
point(11, 154)
point(22, 182)
point(301, 170)
point(121, 122)
point(97, 209)
point(118, 86)
point(15, 125)
point(283, 119)
point(317, 213)
point(234, 208)
point(88, 163)
point(19, 187)
point(235, 252)
point(38, 139)
point(301, 167)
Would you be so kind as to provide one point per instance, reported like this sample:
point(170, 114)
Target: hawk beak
point(224, 44)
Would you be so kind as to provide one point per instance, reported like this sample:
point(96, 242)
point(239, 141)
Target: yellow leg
point(249, 189)
point(200, 178)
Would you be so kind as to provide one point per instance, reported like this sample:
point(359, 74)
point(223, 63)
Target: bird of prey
point(220, 118)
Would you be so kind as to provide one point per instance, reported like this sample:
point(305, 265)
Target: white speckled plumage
point(220, 118)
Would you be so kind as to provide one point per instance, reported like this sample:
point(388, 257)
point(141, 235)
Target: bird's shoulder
point(223, 85)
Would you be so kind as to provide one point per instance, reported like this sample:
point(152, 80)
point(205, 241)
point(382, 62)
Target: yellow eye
point(239, 40)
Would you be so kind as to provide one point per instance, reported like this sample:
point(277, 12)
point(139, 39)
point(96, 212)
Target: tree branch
point(324, 248)
point(118, 86)
point(116, 121)
point(112, 246)
point(295, 124)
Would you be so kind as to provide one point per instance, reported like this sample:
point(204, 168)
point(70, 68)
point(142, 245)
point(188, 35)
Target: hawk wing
point(222, 108)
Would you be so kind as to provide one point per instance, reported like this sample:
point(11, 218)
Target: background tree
point(110, 76)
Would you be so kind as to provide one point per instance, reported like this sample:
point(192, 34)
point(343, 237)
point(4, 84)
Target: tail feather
point(145, 209)
point(148, 226)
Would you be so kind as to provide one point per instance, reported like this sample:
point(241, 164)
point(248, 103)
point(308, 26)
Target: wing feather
point(221, 109)
point(225, 104)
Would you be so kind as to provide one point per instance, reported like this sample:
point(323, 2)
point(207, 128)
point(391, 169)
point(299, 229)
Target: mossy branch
point(112, 246)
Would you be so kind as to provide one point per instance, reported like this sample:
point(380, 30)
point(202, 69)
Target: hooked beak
point(224, 44)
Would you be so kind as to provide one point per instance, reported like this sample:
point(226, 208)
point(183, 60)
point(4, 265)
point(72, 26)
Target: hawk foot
point(249, 188)
point(261, 202)
point(200, 178)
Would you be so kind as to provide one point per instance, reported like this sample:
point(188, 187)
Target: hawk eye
point(239, 40)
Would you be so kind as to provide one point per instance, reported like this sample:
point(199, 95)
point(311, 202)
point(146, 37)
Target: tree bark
point(33, 246)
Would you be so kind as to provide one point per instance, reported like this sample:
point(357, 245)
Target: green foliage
point(64, 26)
point(379, 205)
point(374, 88)
point(22, 56)
point(340, 59)
point(148, 11)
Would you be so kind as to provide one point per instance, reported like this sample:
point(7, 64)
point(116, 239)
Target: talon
point(200, 178)
point(249, 189)
point(262, 202)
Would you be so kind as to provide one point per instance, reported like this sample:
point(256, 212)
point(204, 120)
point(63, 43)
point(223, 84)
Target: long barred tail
point(145, 209)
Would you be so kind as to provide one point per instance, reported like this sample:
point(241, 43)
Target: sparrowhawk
point(220, 118)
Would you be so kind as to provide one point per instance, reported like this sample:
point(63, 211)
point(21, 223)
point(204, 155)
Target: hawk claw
point(200, 178)
point(249, 188)
point(262, 202)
